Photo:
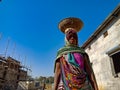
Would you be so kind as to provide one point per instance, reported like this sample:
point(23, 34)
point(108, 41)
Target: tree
point(42, 79)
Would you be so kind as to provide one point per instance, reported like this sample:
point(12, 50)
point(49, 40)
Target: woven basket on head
point(70, 22)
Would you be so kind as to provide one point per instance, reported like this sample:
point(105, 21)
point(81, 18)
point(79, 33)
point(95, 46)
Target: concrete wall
point(101, 62)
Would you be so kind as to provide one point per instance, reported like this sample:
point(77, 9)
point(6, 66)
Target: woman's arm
point(90, 72)
point(57, 75)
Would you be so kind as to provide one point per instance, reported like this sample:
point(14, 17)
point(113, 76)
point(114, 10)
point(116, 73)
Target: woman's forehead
point(71, 31)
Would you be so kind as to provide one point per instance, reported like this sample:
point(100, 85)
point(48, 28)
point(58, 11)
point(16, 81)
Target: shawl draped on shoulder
point(67, 49)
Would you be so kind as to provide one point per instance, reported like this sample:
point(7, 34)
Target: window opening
point(105, 34)
point(116, 62)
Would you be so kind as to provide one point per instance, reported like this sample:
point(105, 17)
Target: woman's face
point(73, 40)
point(72, 37)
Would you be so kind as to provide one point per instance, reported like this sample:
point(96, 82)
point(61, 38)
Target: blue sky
point(31, 27)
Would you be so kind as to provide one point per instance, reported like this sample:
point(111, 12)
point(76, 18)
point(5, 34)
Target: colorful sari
point(73, 76)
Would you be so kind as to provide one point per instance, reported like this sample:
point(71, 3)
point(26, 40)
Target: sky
point(29, 28)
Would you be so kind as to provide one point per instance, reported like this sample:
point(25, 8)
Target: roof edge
point(110, 18)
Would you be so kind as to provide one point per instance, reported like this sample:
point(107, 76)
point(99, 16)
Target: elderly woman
point(72, 66)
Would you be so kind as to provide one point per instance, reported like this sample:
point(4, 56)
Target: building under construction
point(11, 73)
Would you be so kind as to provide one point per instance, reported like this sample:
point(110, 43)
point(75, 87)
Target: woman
point(72, 66)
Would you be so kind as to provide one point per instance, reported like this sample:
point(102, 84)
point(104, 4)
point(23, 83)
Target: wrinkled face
point(72, 37)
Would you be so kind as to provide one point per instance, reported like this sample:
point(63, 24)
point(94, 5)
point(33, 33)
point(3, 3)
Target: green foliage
point(47, 80)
